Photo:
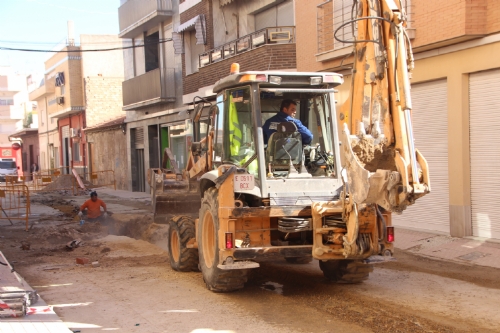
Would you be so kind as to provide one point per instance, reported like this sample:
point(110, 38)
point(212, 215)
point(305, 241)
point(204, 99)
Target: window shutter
point(200, 30)
point(178, 39)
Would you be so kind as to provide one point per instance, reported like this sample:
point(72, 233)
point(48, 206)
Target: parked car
point(7, 168)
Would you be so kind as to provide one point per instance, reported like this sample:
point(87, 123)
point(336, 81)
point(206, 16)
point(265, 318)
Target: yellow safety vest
point(234, 129)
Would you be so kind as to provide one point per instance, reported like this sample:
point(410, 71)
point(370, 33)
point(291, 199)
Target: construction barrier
point(101, 178)
point(15, 203)
point(43, 180)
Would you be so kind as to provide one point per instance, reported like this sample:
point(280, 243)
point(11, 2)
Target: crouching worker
point(93, 206)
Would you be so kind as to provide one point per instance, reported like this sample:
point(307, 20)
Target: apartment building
point(14, 109)
point(152, 90)
point(189, 45)
point(79, 89)
point(455, 88)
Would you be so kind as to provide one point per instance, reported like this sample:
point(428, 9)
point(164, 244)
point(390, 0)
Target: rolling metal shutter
point(430, 127)
point(484, 100)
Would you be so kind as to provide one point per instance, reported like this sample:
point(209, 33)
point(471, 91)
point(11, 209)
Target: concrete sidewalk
point(468, 250)
point(40, 318)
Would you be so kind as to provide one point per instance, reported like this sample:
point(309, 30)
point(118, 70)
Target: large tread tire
point(216, 279)
point(346, 271)
point(298, 260)
point(181, 230)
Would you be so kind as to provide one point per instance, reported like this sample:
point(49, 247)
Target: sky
point(42, 24)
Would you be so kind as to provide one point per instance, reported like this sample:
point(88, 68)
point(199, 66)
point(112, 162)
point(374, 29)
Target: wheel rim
point(208, 234)
point(175, 245)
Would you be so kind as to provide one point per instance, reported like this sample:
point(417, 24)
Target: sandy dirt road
point(135, 290)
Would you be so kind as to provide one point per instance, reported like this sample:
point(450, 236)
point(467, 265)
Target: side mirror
point(214, 111)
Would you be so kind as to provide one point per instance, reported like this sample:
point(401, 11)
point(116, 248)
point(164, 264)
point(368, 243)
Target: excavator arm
point(382, 164)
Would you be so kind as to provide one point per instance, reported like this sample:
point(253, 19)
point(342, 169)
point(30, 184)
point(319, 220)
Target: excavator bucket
point(382, 164)
point(172, 197)
point(168, 205)
point(170, 191)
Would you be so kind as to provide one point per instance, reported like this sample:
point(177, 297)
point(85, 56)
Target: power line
point(91, 50)
point(62, 40)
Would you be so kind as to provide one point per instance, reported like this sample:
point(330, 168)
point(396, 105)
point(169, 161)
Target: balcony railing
point(136, 16)
point(274, 35)
point(156, 86)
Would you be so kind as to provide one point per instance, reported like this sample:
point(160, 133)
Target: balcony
point(47, 88)
point(10, 112)
point(264, 50)
point(137, 16)
point(273, 36)
point(154, 87)
point(12, 84)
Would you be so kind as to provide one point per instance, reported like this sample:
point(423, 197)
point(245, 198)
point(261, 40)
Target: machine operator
point(287, 113)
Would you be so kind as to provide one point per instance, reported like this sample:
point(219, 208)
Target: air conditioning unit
point(74, 132)
point(60, 100)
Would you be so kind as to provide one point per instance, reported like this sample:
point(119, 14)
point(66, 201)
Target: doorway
point(141, 183)
point(66, 153)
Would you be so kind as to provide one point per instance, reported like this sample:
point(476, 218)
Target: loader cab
point(245, 101)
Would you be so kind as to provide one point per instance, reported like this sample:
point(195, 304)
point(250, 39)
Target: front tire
point(181, 230)
point(346, 271)
point(216, 279)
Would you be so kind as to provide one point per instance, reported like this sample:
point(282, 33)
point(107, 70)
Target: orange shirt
point(93, 208)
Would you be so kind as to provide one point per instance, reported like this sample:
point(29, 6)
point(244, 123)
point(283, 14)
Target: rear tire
point(216, 279)
point(181, 230)
point(346, 271)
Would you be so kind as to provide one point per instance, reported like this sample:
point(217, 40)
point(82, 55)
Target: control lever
point(292, 172)
point(291, 169)
point(303, 170)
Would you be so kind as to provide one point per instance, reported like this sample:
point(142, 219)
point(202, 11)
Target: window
point(151, 51)
point(277, 16)
point(6, 101)
point(178, 145)
point(240, 144)
point(333, 13)
point(76, 152)
point(330, 16)
point(60, 79)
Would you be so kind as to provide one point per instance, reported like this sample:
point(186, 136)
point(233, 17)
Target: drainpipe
point(47, 122)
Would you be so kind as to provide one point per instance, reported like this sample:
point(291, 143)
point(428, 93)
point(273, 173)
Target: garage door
point(484, 99)
point(430, 127)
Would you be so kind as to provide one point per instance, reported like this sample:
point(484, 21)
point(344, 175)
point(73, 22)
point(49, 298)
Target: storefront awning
point(199, 25)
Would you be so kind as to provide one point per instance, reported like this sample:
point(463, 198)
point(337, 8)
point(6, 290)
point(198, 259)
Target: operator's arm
point(304, 132)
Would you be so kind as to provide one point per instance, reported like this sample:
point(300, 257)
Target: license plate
point(244, 182)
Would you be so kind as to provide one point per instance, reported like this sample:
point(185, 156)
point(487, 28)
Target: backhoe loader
point(244, 197)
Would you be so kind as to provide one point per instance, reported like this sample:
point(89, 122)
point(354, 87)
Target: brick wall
point(435, 22)
point(110, 153)
point(103, 99)
point(267, 57)
point(74, 84)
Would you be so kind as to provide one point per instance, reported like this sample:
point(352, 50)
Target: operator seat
point(285, 139)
